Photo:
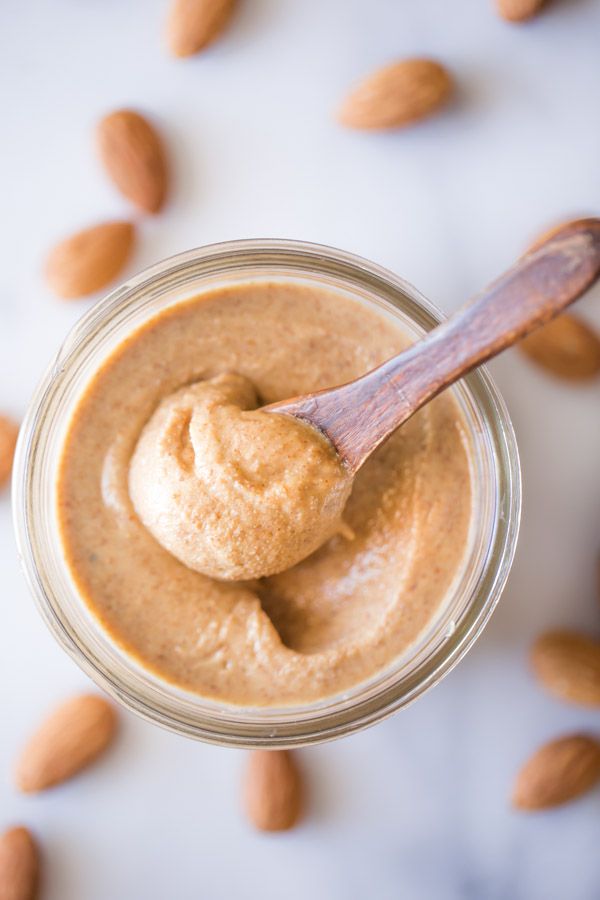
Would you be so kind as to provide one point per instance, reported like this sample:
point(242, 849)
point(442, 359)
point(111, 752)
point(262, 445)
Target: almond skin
point(272, 790)
point(8, 439)
point(133, 156)
point(193, 24)
point(89, 260)
point(558, 772)
point(518, 10)
point(71, 737)
point(397, 95)
point(565, 346)
point(19, 865)
point(568, 665)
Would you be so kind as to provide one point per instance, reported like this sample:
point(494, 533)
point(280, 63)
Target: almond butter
point(565, 346)
point(193, 24)
point(8, 440)
point(568, 665)
point(272, 790)
point(397, 95)
point(133, 156)
point(89, 260)
point(518, 10)
point(19, 865)
point(558, 772)
point(71, 737)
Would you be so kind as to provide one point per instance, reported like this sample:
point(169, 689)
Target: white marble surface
point(416, 807)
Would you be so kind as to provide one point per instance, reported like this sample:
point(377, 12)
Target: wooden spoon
point(359, 416)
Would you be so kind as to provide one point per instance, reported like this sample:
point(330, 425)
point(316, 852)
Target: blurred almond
point(193, 24)
point(558, 772)
point(397, 95)
point(89, 260)
point(72, 737)
point(568, 665)
point(9, 432)
point(272, 790)
point(133, 156)
point(518, 10)
point(19, 865)
point(566, 347)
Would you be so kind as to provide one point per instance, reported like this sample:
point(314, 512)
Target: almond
point(8, 440)
point(566, 347)
point(518, 10)
point(558, 772)
point(19, 865)
point(568, 665)
point(397, 95)
point(73, 735)
point(88, 260)
point(193, 24)
point(272, 790)
point(133, 156)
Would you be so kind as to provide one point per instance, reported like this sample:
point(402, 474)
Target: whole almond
point(397, 95)
point(558, 772)
point(193, 24)
point(73, 735)
point(89, 260)
point(19, 865)
point(8, 439)
point(272, 790)
point(568, 665)
point(518, 10)
point(565, 346)
point(133, 156)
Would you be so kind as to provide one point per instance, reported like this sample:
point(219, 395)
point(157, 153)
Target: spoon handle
point(360, 415)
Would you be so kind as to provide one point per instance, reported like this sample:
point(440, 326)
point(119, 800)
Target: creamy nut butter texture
point(336, 618)
point(230, 490)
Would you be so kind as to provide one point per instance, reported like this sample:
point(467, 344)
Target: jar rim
point(130, 684)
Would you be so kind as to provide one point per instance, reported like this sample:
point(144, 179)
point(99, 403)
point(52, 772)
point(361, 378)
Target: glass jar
point(447, 638)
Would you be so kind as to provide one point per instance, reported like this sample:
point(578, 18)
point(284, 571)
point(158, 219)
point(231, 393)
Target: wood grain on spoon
point(358, 417)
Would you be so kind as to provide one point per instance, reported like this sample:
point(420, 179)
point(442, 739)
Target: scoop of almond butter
point(230, 490)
